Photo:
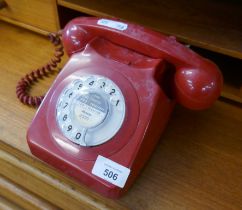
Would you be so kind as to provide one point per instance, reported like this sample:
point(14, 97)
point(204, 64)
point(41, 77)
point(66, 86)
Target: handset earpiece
point(197, 88)
point(74, 38)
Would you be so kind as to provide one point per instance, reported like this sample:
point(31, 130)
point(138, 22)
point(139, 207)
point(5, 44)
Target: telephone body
point(106, 110)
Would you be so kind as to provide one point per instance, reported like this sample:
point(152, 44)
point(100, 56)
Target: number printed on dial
point(90, 110)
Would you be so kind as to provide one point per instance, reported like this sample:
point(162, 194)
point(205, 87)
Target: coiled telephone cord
point(25, 83)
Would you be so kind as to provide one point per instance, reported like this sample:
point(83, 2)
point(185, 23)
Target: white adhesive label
point(113, 24)
point(111, 171)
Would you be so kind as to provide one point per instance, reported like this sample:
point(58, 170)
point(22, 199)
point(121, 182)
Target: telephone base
point(147, 112)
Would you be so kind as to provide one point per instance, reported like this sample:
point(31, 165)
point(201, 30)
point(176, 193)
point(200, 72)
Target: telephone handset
point(195, 76)
point(106, 110)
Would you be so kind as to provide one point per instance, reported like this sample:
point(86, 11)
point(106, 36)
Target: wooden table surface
point(196, 165)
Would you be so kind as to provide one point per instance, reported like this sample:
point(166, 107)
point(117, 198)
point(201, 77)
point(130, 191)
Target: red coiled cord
point(23, 86)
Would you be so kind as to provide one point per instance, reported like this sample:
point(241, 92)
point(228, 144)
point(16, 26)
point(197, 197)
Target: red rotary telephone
point(106, 110)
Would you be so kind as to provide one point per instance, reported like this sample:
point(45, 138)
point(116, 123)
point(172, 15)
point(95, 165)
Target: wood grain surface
point(22, 197)
point(196, 165)
point(37, 15)
point(5, 204)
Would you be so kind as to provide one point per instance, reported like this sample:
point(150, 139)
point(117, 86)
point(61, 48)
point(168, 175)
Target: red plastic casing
point(141, 78)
